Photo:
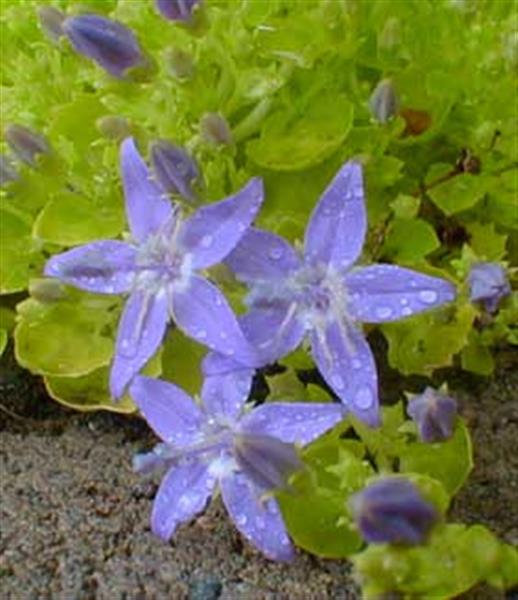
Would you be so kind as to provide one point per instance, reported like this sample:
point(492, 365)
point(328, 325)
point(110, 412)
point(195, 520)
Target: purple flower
point(248, 454)
point(321, 295)
point(177, 10)
point(51, 21)
point(392, 511)
point(488, 284)
point(176, 171)
point(384, 103)
point(109, 43)
point(434, 414)
point(157, 268)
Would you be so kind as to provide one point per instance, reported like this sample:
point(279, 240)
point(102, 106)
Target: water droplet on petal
point(241, 519)
point(275, 253)
point(383, 312)
point(206, 241)
point(428, 296)
point(337, 381)
point(406, 312)
point(356, 363)
point(223, 335)
point(403, 301)
point(364, 397)
point(201, 334)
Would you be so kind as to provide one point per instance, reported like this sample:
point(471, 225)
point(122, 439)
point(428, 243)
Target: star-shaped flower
point(488, 284)
point(323, 296)
point(158, 269)
point(248, 454)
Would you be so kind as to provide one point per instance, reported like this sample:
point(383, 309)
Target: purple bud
point(7, 171)
point(384, 103)
point(109, 43)
point(174, 168)
point(488, 284)
point(268, 461)
point(177, 10)
point(434, 414)
point(51, 21)
point(26, 143)
point(215, 129)
point(392, 511)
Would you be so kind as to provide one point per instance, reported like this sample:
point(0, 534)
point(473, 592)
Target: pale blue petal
point(225, 395)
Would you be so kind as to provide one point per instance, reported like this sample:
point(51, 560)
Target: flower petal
point(346, 363)
point(225, 395)
point(147, 206)
point(105, 267)
point(380, 293)
point(261, 255)
point(337, 227)
point(183, 493)
point(170, 412)
point(141, 331)
point(296, 422)
point(214, 230)
point(203, 313)
point(258, 519)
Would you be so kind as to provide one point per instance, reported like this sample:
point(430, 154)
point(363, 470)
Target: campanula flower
point(392, 511)
point(322, 296)
point(109, 43)
point(434, 414)
point(248, 454)
point(488, 284)
point(26, 143)
point(176, 171)
point(177, 10)
point(159, 267)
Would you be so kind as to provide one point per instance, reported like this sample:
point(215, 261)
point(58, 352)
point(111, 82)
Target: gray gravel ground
point(74, 518)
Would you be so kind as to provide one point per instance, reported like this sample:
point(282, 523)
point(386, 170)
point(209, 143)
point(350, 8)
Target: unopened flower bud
point(390, 35)
point(384, 103)
point(175, 170)
point(215, 129)
point(107, 42)
point(113, 127)
point(392, 511)
point(488, 284)
point(434, 414)
point(267, 460)
point(7, 171)
point(179, 63)
point(25, 143)
point(177, 10)
point(51, 21)
point(46, 290)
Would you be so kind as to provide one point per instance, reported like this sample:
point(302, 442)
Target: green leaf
point(70, 220)
point(476, 357)
point(410, 240)
point(182, 361)
point(456, 558)
point(315, 510)
point(450, 462)
point(286, 387)
point(3, 340)
point(487, 243)
point(68, 338)
point(459, 193)
point(426, 342)
point(296, 144)
point(20, 257)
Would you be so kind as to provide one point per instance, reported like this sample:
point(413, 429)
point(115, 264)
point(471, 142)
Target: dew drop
point(403, 301)
point(241, 519)
point(406, 311)
point(201, 334)
point(337, 381)
point(275, 253)
point(223, 335)
point(356, 363)
point(383, 312)
point(206, 241)
point(428, 296)
point(364, 398)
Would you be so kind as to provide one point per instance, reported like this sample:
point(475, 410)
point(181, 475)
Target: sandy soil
point(74, 518)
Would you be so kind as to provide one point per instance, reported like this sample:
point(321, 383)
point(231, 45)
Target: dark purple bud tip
point(175, 170)
point(215, 129)
point(384, 103)
point(434, 414)
point(109, 43)
point(268, 461)
point(177, 10)
point(7, 171)
point(26, 144)
point(51, 21)
point(392, 511)
point(488, 284)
